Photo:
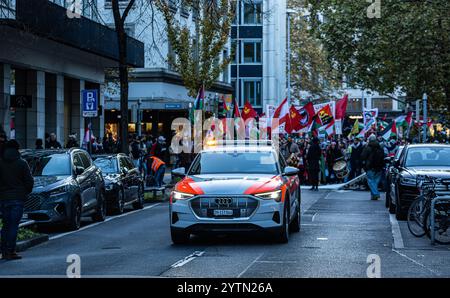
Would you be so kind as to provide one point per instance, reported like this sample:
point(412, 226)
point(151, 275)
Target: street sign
point(90, 103)
point(173, 106)
point(21, 101)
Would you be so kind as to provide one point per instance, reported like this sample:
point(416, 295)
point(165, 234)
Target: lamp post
point(288, 13)
point(425, 120)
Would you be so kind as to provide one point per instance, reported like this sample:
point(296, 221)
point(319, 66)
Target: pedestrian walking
point(313, 158)
point(373, 161)
point(16, 183)
point(53, 143)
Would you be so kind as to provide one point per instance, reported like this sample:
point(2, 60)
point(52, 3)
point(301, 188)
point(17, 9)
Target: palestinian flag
point(382, 125)
point(389, 131)
point(199, 101)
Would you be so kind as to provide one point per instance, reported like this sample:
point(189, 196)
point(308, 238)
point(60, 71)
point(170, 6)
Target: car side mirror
point(290, 171)
point(179, 172)
point(79, 170)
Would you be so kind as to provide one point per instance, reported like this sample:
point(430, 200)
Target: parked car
point(67, 186)
point(236, 189)
point(419, 159)
point(123, 183)
point(391, 165)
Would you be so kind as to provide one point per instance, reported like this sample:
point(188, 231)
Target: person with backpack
point(372, 158)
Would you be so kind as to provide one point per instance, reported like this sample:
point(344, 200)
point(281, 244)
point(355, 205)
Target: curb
point(25, 244)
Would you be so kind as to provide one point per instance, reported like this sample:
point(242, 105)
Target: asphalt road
point(340, 230)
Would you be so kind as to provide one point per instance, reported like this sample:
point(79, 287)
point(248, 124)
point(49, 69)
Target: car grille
point(33, 202)
point(241, 207)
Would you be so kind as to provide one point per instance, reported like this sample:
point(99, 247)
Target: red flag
point(341, 107)
point(281, 113)
point(306, 113)
point(237, 113)
point(248, 111)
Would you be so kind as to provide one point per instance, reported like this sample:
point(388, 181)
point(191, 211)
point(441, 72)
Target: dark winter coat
point(313, 157)
point(16, 181)
point(372, 157)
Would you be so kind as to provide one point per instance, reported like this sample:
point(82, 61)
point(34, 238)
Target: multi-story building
point(258, 70)
point(157, 94)
point(48, 56)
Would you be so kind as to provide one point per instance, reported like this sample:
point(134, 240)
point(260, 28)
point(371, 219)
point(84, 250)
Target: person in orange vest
point(158, 169)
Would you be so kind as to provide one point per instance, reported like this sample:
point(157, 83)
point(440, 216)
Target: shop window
point(160, 127)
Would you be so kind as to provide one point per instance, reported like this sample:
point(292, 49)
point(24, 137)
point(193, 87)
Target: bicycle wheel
point(442, 223)
point(416, 218)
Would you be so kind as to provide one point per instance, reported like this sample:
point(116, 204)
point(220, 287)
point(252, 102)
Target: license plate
point(223, 212)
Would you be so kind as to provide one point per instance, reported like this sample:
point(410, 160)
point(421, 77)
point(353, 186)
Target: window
point(233, 51)
point(77, 161)
point(252, 13)
point(86, 160)
point(252, 92)
point(50, 165)
point(184, 10)
point(252, 52)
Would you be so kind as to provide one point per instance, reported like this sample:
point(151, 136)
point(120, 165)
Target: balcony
point(48, 20)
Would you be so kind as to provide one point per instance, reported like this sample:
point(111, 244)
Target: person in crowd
point(39, 144)
point(53, 143)
point(72, 142)
point(47, 140)
point(135, 151)
point(16, 183)
point(313, 157)
point(372, 158)
point(333, 154)
point(355, 158)
point(158, 169)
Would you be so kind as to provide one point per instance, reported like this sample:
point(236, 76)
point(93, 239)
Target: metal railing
point(8, 9)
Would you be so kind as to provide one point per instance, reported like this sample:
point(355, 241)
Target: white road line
point(251, 264)
point(415, 262)
point(99, 223)
point(396, 233)
point(314, 216)
point(187, 259)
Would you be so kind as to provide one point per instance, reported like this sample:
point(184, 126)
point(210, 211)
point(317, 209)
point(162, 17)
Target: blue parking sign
point(90, 103)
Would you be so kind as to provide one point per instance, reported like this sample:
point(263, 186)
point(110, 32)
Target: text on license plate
point(223, 212)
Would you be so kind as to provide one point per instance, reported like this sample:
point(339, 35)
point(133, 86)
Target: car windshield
point(235, 163)
point(436, 156)
point(107, 165)
point(50, 165)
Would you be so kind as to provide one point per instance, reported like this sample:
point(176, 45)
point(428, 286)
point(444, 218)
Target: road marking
point(322, 239)
point(415, 262)
point(396, 233)
point(102, 222)
point(187, 259)
point(314, 216)
point(251, 264)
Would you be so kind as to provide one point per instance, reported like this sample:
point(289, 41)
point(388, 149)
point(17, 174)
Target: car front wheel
point(139, 204)
point(296, 223)
point(282, 235)
point(100, 214)
point(179, 236)
point(74, 220)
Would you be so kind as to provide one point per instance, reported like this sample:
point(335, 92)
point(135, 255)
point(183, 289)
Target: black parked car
point(67, 186)
point(123, 183)
point(392, 163)
point(420, 159)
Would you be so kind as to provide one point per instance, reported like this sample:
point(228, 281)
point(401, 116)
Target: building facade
point(48, 56)
point(258, 69)
point(157, 95)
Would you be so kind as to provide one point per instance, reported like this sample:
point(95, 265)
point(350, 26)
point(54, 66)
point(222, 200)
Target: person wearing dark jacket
point(372, 158)
point(16, 183)
point(355, 158)
point(313, 158)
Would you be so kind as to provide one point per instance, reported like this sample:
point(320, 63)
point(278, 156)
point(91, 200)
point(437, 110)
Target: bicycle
point(419, 219)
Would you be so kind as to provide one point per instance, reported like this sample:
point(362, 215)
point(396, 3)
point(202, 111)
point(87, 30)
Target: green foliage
point(24, 233)
point(407, 47)
point(310, 68)
point(197, 53)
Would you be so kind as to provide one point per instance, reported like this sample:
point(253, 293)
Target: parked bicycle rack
point(433, 203)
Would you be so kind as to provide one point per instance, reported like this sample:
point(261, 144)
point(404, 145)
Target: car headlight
point(273, 195)
point(176, 195)
point(58, 191)
point(408, 181)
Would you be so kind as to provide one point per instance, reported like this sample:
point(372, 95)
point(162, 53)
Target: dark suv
point(67, 186)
